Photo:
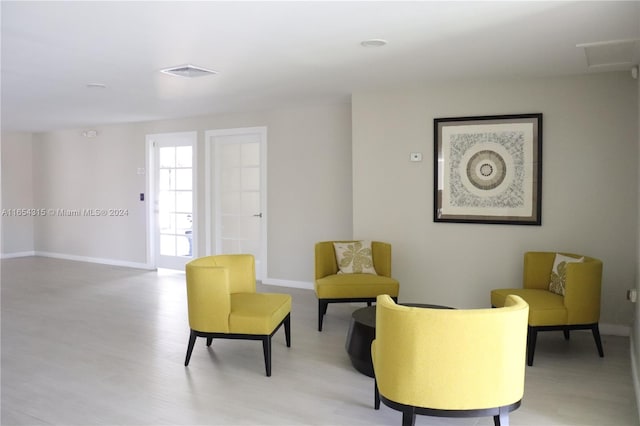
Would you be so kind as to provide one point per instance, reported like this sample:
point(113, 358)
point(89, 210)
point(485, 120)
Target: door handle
point(257, 215)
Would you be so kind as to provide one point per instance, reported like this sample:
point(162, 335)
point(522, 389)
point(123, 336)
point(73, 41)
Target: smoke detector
point(188, 71)
point(374, 42)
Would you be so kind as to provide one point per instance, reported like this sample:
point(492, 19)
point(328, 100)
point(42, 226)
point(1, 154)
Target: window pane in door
point(183, 245)
point(249, 228)
point(183, 179)
point(231, 179)
point(171, 224)
point(250, 154)
point(230, 202)
point(166, 180)
point(184, 156)
point(167, 157)
point(251, 179)
point(167, 201)
point(183, 201)
point(230, 246)
point(183, 223)
point(230, 227)
point(250, 204)
point(251, 247)
point(164, 221)
point(230, 155)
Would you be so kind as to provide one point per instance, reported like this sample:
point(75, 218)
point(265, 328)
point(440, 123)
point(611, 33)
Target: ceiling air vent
point(189, 71)
point(611, 53)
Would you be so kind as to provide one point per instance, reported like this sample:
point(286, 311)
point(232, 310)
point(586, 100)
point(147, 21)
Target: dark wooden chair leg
point(409, 416)
point(566, 334)
point(596, 336)
point(266, 348)
point(376, 396)
point(209, 341)
point(287, 330)
point(192, 342)
point(322, 310)
point(532, 334)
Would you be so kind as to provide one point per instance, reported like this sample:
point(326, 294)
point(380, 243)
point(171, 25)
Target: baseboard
point(287, 283)
point(112, 262)
point(615, 330)
point(17, 254)
point(634, 371)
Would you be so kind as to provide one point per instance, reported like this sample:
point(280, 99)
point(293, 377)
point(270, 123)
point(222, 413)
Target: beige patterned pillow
point(354, 257)
point(559, 272)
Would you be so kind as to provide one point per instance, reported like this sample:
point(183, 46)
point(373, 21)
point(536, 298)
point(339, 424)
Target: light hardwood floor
point(88, 344)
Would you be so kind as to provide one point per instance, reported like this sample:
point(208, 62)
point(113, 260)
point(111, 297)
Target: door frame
point(150, 194)
point(210, 194)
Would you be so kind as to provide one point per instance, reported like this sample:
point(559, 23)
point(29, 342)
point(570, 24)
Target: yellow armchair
point(577, 309)
point(332, 287)
point(223, 303)
point(450, 362)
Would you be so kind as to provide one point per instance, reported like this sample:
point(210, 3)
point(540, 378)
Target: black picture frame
point(488, 169)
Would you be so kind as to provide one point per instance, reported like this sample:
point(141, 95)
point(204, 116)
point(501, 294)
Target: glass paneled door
point(238, 202)
point(174, 200)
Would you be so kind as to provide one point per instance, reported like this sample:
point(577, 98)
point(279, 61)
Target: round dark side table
point(362, 331)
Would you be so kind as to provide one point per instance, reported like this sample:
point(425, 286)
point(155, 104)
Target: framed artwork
point(488, 169)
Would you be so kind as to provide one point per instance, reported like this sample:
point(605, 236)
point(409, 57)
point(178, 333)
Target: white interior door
point(173, 198)
point(237, 219)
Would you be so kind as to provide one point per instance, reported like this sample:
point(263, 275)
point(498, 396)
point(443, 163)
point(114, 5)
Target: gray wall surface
point(589, 195)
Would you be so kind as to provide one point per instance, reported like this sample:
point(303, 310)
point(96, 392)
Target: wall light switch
point(415, 156)
point(141, 171)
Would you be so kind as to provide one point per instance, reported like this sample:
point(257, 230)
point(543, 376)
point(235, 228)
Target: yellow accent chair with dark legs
point(223, 304)
point(450, 362)
point(352, 271)
point(563, 293)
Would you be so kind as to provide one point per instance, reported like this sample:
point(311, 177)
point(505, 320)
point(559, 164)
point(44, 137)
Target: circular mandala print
point(486, 170)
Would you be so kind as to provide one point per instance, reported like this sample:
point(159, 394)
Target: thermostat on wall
point(415, 156)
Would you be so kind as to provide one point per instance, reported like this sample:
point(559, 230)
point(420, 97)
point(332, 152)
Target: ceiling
point(271, 54)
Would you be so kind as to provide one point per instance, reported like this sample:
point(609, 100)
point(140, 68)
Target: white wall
point(72, 172)
point(310, 196)
point(589, 198)
point(17, 193)
point(309, 185)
